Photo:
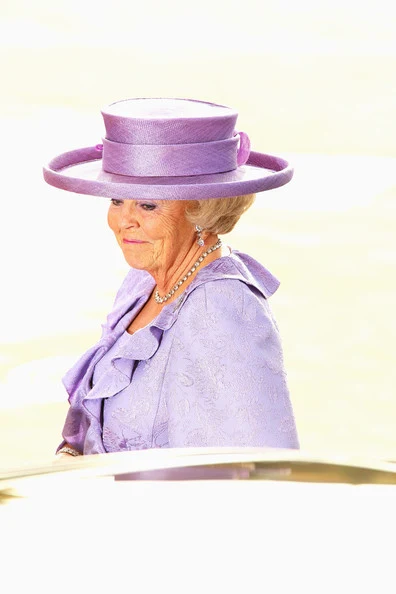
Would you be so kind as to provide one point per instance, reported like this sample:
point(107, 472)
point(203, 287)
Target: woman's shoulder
point(223, 310)
point(223, 298)
point(254, 273)
point(233, 275)
point(231, 292)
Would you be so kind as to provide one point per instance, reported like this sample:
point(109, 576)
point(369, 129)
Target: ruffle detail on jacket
point(130, 349)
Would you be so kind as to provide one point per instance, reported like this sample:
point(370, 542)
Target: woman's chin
point(136, 263)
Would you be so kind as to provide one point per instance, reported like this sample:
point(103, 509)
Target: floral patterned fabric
point(208, 371)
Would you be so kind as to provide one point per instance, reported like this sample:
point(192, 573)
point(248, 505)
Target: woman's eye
point(148, 206)
point(116, 202)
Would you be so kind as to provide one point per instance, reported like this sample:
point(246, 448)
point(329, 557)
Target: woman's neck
point(182, 273)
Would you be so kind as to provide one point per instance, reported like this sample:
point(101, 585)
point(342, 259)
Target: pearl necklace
point(177, 286)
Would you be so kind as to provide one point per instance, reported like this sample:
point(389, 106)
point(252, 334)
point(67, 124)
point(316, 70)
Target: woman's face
point(153, 235)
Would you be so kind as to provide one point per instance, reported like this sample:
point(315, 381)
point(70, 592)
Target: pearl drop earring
point(200, 241)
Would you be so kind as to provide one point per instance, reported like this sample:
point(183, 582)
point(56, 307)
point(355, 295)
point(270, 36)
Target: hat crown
point(167, 108)
point(168, 121)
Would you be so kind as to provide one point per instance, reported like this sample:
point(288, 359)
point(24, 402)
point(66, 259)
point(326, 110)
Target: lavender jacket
point(208, 371)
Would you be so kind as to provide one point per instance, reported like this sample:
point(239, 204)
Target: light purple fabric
point(161, 160)
point(208, 371)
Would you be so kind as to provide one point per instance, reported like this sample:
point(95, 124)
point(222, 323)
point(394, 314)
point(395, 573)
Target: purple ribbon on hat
point(243, 149)
point(170, 160)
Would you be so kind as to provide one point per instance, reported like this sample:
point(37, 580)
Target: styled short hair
point(218, 215)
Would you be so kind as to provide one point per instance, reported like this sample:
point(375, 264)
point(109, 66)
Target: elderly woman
point(190, 355)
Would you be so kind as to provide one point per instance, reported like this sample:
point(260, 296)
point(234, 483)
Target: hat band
point(173, 160)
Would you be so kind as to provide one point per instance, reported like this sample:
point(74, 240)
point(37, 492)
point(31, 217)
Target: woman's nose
point(128, 215)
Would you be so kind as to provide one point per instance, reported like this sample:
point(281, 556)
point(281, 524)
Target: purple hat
point(168, 149)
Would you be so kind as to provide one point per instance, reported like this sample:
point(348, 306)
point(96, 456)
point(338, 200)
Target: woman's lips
point(132, 241)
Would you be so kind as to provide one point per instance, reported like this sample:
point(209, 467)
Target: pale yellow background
point(314, 82)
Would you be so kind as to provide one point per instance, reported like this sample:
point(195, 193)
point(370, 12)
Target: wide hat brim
point(81, 171)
